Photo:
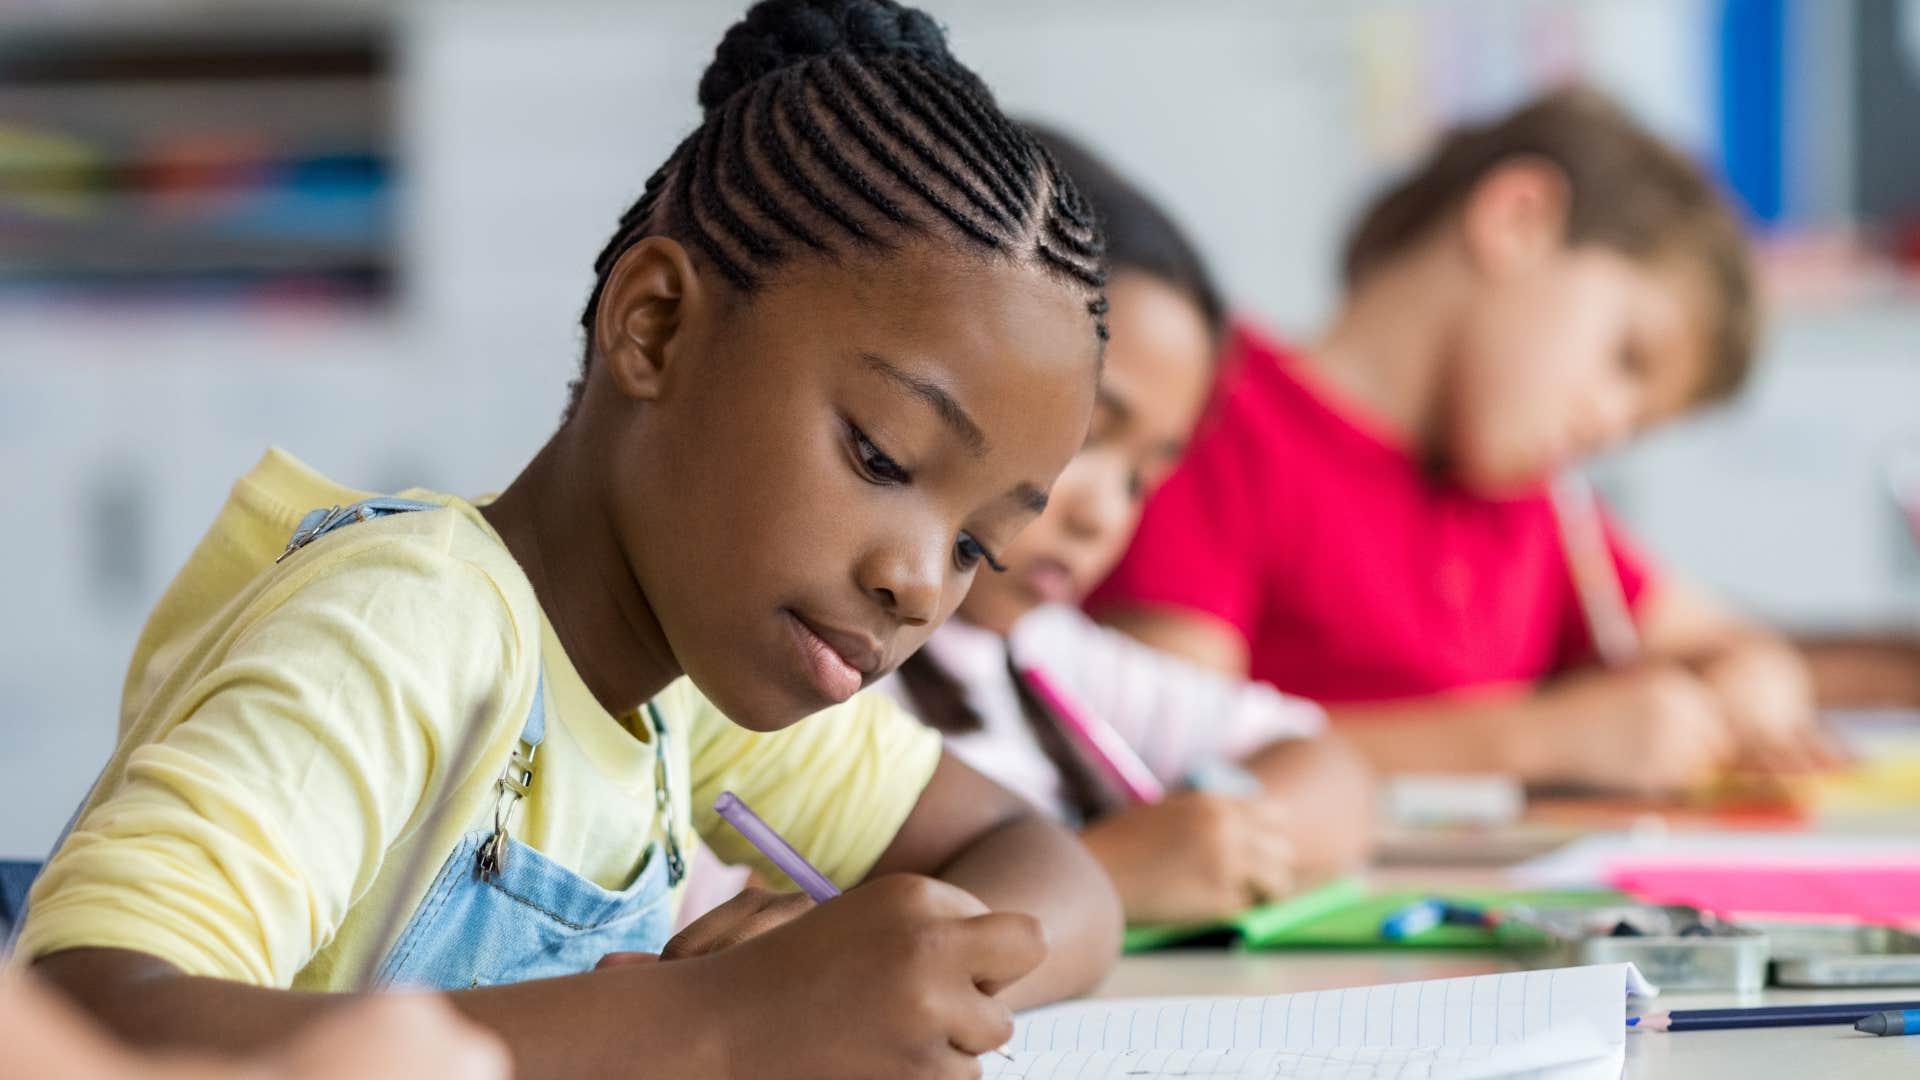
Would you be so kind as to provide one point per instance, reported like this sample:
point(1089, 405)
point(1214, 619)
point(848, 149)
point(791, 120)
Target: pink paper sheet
point(1871, 893)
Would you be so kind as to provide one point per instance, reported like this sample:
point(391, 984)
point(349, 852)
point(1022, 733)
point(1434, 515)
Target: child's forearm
point(1032, 866)
point(1327, 788)
point(1864, 672)
point(641, 1020)
point(1436, 736)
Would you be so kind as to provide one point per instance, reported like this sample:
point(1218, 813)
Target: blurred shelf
point(201, 152)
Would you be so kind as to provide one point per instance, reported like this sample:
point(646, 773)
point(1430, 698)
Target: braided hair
point(846, 124)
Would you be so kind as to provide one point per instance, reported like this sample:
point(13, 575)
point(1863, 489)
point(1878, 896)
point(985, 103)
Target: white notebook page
point(1561, 1022)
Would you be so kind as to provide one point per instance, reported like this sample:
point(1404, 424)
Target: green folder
point(1254, 926)
point(1357, 925)
point(1344, 915)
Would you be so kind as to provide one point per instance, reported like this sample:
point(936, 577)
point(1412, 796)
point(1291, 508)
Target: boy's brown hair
point(1628, 191)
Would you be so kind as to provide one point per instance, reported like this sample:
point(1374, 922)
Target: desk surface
point(1785, 1053)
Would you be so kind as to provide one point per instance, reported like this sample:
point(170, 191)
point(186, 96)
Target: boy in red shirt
point(1366, 520)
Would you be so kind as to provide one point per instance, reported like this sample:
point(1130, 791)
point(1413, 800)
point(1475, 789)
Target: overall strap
point(517, 777)
point(319, 523)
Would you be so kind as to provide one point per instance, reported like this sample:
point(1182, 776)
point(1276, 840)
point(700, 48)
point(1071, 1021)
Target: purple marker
point(775, 848)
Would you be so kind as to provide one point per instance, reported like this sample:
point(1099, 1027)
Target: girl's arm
point(971, 832)
point(585, 1025)
point(894, 979)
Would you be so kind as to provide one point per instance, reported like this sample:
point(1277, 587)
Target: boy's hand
point(894, 979)
point(1652, 729)
point(1767, 693)
point(1194, 856)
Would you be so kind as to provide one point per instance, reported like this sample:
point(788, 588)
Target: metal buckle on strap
point(663, 799)
point(313, 525)
point(512, 786)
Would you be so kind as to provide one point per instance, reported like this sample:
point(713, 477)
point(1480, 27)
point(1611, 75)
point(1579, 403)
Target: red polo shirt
point(1352, 575)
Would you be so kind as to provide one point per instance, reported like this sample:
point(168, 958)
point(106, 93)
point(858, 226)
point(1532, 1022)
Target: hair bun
point(779, 33)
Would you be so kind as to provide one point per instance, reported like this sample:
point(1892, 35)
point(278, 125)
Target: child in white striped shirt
point(1196, 854)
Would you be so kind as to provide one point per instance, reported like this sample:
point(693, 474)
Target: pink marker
point(1100, 740)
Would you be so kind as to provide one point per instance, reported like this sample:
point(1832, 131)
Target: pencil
point(1766, 1016)
point(1603, 600)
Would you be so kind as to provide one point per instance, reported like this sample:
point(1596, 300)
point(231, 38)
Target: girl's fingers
point(985, 1027)
point(626, 959)
point(1001, 948)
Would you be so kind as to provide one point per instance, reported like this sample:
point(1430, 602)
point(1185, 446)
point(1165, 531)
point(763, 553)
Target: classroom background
point(364, 231)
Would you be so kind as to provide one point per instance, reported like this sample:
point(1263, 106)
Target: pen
point(1891, 1022)
point(1414, 919)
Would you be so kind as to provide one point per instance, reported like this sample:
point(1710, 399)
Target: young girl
point(836, 355)
point(1368, 526)
point(1197, 854)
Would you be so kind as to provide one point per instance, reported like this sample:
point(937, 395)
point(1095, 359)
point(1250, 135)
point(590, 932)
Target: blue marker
point(1414, 919)
point(1898, 1022)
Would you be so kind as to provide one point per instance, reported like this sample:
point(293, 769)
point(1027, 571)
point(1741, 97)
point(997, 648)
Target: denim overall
point(499, 911)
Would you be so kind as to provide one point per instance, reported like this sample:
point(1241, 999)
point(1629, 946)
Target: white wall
point(529, 127)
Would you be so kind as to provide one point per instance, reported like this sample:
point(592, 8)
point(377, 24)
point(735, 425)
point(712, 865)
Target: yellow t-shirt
point(285, 736)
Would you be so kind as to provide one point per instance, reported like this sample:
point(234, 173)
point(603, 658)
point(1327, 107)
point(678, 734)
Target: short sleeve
point(1177, 715)
point(838, 785)
point(234, 842)
point(1199, 541)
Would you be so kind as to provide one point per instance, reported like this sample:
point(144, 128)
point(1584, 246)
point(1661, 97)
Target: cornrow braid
point(835, 124)
point(967, 142)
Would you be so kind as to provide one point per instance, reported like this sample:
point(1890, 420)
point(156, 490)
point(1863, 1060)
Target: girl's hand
point(894, 979)
point(1653, 729)
point(748, 915)
point(1195, 856)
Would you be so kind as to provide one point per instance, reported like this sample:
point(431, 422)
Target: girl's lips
point(829, 671)
point(1050, 580)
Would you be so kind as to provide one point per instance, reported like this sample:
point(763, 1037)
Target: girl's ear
point(1516, 215)
point(644, 305)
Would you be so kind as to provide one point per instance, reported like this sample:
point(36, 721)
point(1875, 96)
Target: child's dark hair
point(1141, 237)
point(1627, 191)
point(846, 123)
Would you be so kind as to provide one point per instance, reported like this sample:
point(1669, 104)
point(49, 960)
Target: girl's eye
point(878, 467)
point(969, 554)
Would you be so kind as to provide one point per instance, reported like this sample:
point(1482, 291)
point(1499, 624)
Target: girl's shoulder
point(441, 562)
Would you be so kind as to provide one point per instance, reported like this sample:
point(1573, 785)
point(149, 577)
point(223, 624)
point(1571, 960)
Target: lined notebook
point(1561, 1023)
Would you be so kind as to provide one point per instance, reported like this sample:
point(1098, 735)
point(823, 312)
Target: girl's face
point(1159, 366)
point(826, 465)
point(1580, 352)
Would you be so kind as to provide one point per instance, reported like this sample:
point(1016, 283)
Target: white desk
point(1798, 1053)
